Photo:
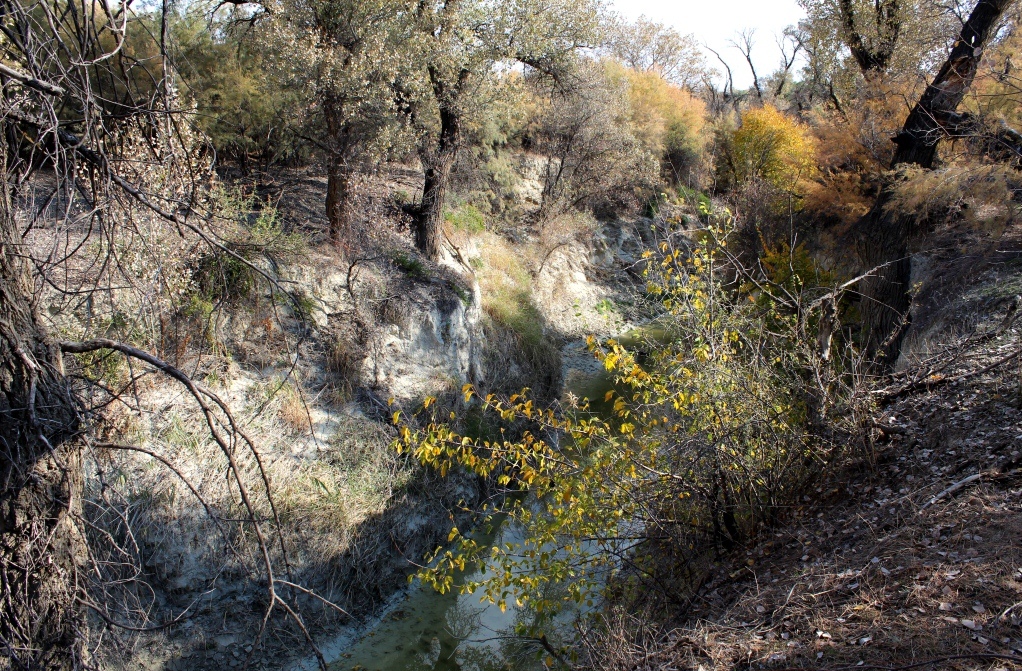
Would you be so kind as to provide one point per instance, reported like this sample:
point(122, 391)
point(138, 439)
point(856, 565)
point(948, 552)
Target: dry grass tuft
point(344, 360)
point(292, 408)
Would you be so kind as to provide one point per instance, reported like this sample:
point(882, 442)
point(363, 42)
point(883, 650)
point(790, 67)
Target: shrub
point(715, 430)
point(402, 197)
point(226, 275)
point(666, 119)
point(410, 265)
point(770, 146)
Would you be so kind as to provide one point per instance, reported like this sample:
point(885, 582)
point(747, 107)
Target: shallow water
point(443, 632)
point(594, 381)
point(427, 631)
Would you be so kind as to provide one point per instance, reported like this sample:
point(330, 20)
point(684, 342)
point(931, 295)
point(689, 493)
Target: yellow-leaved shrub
point(715, 429)
point(666, 119)
point(768, 145)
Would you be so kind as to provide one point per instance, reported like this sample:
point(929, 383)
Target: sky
point(714, 22)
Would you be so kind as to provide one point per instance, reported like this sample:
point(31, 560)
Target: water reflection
point(446, 632)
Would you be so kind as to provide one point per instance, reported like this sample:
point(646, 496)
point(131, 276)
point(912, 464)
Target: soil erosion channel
point(423, 630)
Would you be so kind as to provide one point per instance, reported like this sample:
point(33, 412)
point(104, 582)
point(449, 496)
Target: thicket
point(719, 424)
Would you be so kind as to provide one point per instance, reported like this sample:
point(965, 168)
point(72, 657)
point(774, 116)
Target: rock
point(225, 640)
point(439, 345)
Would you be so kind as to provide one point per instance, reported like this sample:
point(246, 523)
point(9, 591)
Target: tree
point(876, 39)
point(40, 474)
point(102, 132)
point(790, 44)
point(744, 43)
point(598, 147)
point(872, 50)
point(462, 48)
point(345, 55)
point(884, 234)
point(224, 73)
point(648, 46)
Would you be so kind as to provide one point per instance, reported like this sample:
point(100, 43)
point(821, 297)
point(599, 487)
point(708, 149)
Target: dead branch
point(964, 482)
point(31, 82)
point(204, 397)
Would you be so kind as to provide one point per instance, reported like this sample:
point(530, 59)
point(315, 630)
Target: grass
point(333, 496)
point(506, 287)
point(292, 410)
point(507, 292)
point(344, 360)
point(466, 218)
point(410, 265)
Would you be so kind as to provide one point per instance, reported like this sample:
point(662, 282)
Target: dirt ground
point(911, 556)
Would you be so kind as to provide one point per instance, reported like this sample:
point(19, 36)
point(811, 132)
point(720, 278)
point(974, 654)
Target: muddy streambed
point(420, 629)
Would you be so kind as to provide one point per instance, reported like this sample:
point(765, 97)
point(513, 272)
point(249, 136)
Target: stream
point(420, 629)
point(427, 630)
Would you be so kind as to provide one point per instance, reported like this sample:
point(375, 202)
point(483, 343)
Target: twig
point(309, 592)
point(929, 379)
point(913, 665)
point(553, 653)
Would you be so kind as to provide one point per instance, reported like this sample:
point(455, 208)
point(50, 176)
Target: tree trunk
point(438, 168)
point(886, 297)
point(339, 208)
point(935, 112)
point(40, 477)
point(884, 236)
point(872, 59)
